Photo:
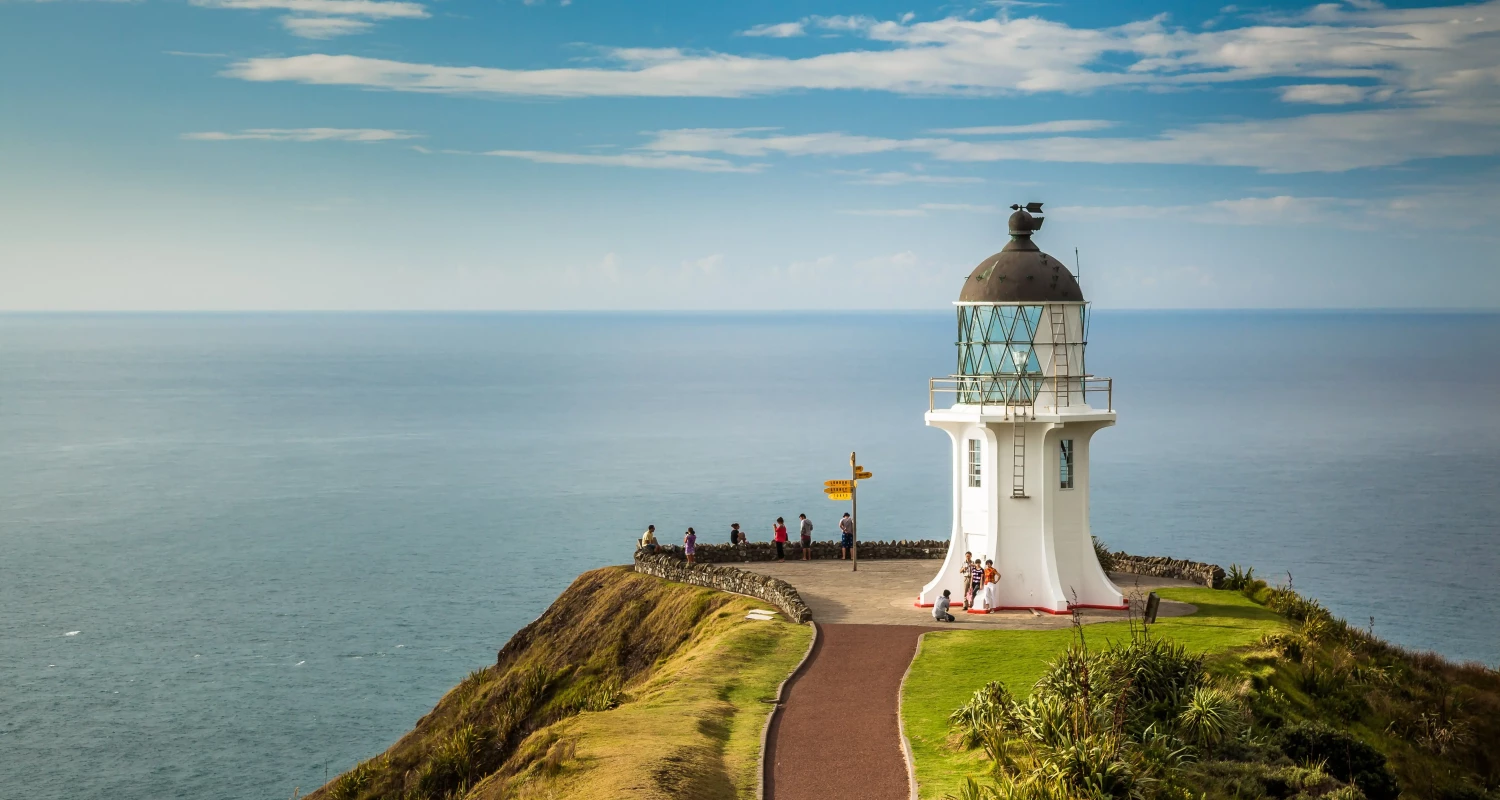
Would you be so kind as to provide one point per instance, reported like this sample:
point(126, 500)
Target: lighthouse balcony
point(1024, 396)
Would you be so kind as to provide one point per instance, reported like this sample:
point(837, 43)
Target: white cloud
point(867, 177)
point(781, 30)
point(925, 209)
point(636, 160)
point(1328, 94)
point(1410, 51)
point(373, 9)
point(1327, 142)
point(1451, 207)
point(303, 135)
point(324, 27)
point(1055, 126)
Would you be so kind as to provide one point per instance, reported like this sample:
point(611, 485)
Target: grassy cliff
point(626, 684)
point(1261, 695)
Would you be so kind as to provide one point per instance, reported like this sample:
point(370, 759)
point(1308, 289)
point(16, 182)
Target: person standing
point(976, 585)
point(689, 544)
point(846, 536)
point(966, 573)
point(648, 539)
point(991, 589)
point(940, 608)
point(779, 536)
point(806, 530)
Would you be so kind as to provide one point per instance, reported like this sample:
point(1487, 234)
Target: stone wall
point(1210, 575)
point(766, 551)
point(775, 591)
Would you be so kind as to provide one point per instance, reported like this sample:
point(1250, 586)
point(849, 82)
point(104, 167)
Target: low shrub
point(1346, 758)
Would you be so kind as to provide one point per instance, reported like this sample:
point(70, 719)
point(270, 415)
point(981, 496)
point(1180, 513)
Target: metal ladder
point(1018, 457)
point(1061, 398)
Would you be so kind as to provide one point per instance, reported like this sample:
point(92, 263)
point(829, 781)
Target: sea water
point(239, 553)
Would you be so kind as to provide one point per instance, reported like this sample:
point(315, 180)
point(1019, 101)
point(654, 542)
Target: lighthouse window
point(974, 462)
point(1067, 464)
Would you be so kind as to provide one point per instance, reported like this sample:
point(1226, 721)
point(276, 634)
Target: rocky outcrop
point(1210, 575)
point(775, 591)
point(766, 551)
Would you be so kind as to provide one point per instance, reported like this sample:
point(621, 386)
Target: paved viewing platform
point(882, 592)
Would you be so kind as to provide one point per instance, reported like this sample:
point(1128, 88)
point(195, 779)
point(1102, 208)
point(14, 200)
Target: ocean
point(241, 552)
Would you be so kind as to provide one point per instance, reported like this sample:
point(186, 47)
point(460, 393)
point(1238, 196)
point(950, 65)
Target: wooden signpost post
point(845, 490)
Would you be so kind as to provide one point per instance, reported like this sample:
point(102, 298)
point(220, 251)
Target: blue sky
point(454, 154)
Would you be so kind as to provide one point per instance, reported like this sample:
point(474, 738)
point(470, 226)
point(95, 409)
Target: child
point(976, 583)
point(689, 544)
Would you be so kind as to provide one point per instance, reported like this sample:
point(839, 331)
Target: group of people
point(779, 537)
point(979, 586)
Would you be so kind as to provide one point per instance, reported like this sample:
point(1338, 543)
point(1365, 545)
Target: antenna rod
point(1077, 266)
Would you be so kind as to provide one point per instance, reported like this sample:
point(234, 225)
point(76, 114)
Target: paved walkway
point(882, 593)
point(838, 735)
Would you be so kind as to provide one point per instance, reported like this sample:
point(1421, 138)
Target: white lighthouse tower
point(1020, 423)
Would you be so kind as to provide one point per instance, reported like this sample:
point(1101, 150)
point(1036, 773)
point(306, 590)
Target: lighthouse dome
point(1021, 272)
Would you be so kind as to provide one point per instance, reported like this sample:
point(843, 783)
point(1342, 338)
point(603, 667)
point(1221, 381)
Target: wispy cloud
point(1055, 126)
point(635, 160)
point(867, 177)
point(1453, 208)
point(780, 30)
point(303, 135)
point(1415, 52)
point(1329, 142)
point(326, 19)
point(324, 27)
point(923, 210)
point(373, 9)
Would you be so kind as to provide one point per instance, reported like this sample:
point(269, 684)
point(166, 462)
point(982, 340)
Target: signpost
point(844, 490)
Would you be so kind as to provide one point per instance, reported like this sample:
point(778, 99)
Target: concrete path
point(838, 735)
point(882, 593)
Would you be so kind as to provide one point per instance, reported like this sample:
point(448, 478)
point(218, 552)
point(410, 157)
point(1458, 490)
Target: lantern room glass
point(997, 342)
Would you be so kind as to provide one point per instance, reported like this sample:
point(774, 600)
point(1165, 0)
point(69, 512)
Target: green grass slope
point(1290, 703)
point(952, 665)
point(626, 685)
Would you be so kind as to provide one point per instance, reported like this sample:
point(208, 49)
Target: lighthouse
point(1020, 412)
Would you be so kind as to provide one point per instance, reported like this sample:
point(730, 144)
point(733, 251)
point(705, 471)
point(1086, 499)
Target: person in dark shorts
point(735, 537)
point(940, 608)
point(648, 539)
point(846, 536)
point(779, 536)
point(806, 527)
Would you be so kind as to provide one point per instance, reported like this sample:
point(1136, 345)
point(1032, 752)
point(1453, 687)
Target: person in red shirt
point(780, 538)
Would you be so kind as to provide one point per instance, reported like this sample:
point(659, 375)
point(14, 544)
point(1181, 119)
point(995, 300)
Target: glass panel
point(1065, 462)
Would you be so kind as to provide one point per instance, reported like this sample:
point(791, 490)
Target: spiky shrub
point(1238, 580)
point(1106, 558)
point(1210, 717)
point(1098, 724)
point(352, 783)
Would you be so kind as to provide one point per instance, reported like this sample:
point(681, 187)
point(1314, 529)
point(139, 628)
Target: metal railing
point(1016, 393)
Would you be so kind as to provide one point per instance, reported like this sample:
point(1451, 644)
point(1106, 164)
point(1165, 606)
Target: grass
point(626, 685)
point(691, 731)
point(952, 665)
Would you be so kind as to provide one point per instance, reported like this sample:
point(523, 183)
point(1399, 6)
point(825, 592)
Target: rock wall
point(775, 591)
point(1210, 575)
point(766, 551)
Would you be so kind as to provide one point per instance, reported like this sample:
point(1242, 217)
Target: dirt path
point(838, 735)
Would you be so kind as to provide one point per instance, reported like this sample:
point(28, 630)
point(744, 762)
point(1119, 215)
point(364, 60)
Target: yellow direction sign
point(838, 490)
point(840, 496)
point(839, 484)
point(863, 475)
point(858, 468)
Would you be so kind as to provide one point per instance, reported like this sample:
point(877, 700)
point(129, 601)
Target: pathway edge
point(911, 763)
point(780, 702)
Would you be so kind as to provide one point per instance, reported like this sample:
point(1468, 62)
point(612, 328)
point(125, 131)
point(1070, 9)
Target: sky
point(775, 154)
